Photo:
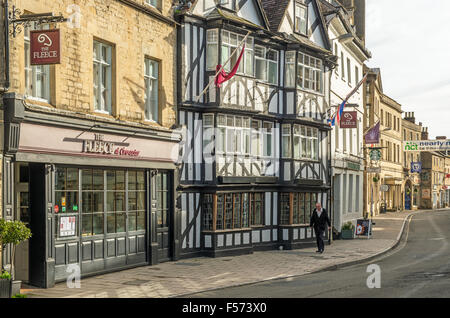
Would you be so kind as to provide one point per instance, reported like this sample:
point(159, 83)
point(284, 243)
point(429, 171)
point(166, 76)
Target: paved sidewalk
point(200, 274)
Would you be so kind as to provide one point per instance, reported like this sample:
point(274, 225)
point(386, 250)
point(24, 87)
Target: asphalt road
point(418, 267)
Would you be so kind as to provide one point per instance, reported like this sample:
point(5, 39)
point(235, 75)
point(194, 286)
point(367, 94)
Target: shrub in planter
point(12, 232)
point(348, 231)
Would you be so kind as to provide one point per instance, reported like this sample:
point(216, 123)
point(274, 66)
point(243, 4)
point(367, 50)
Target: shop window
point(257, 208)
point(136, 200)
point(37, 77)
point(208, 205)
point(66, 201)
point(285, 208)
point(115, 201)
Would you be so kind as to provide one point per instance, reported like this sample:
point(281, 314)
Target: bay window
point(286, 138)
point(230, 42)
point(266, 62)
point(260, 63)
point(212, 47)
point(267, 139)
point(299, 206)
point(309, 73)
point(306, 143)
point(290, 69)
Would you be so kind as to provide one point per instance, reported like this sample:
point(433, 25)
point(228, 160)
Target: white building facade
point(347, 161)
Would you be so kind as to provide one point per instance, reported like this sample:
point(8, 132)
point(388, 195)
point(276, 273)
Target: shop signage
point(349, 120)
point(353, 166)
point(384, 188)
point(375, 154)
point(416, 167)
point(363, 227)
point(45, 47)
point(426, 145)
point(447, 175)
point(56, 208)
point(444, 187)
point(67, 226)
point(373, 169)
point(426, 194)
point(99, 145)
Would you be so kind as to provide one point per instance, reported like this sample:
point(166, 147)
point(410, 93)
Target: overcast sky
point(410, 43)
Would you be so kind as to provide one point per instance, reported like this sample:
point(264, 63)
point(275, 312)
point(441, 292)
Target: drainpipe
point(5, 88)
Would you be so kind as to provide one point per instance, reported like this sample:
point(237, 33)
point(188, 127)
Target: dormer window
point(301, 17)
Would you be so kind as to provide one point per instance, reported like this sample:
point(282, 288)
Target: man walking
point(319, 218)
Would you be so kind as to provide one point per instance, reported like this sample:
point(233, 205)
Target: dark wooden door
point(161, 206)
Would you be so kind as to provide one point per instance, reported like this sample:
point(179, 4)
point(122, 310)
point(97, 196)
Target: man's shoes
point(318, 251)
point(321, 252)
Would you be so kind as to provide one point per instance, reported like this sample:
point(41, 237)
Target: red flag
point(224, 76)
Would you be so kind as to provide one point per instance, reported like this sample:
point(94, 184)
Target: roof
point(275, 10)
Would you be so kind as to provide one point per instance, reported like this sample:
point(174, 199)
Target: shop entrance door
point(161, 206)
point(22, 214)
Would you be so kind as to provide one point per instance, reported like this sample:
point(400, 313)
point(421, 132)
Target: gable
point(315, 28)
point(250, 10)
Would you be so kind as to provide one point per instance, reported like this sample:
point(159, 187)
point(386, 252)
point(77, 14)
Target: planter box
point(348, 234)
point(9, 288)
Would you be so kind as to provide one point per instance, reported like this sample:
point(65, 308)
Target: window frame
point(300, 4)
point(150, 78)
point(100, 105)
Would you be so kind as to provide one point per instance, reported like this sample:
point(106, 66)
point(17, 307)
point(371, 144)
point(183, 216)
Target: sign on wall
point(426, 145)
point(67, 226)
point(426, 194)
point(45, 47)
point(349, 120)
point(416, 167)
point(375, 154)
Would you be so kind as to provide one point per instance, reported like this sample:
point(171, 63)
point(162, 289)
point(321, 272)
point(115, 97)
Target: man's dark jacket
point(319, 223)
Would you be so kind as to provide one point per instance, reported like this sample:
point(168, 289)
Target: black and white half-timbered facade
point(255, 152)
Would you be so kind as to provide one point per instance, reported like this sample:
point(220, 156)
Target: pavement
point(194, 275)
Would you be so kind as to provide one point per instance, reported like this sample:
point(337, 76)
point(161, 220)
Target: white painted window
point(230, 42)
point(221, 133)
point(301, 17)
point(356, 75)
point(266, 64)
point(151, 89)
point(267, 139)
point(154, 3)
point(246, 135)
point(102, 77)
point(349, 74)
point(336, 53)
point(212, 47)
point(342, 66)
point(309, 73)
point(208, 133)
point(290, 69)
point(286, 138)
point(256, 138)
point(37, 77)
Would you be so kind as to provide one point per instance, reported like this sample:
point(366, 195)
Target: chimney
point(357, 11)
point(424, 133)
point(409, 116)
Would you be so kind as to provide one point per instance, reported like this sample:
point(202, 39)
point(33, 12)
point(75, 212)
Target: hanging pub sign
point(416, 167)
point(45, 47)
point(349, 119)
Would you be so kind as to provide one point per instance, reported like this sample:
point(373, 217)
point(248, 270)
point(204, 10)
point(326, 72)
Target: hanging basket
point(375, 179)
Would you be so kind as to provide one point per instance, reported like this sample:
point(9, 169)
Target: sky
point(410, 43)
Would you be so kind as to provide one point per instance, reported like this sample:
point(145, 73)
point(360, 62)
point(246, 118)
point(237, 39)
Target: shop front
point(97, 199)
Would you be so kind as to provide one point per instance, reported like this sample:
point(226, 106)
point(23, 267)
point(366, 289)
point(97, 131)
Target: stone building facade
point(89, 148)
point(411, 131)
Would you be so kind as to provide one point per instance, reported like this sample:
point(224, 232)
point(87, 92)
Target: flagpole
point(221, 68)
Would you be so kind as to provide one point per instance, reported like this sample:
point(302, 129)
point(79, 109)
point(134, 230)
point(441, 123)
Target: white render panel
point(208, 241)
point(255, 236)
point(275, 235)
point(229, 239)
point(188, 64)
point(287, 171)
point(195, 51)
point(302, 233)
point(266, 235)
point(290, 102)
point(220, 240)
point(308, 232)
point(184, 243)
point(212, 91)
point(182, 122)
point(191, 238)
point(202, 66)
point(237, 239)
point(198, 146)
point(183, 212)
point(275, 209)
point(198, 225)
point(249, 11)
point(246, 238)
point(191, 207)
point(188, 148)
point(267, 205)
point(295, 234)
point(285, 234)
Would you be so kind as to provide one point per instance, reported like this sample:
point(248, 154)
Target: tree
point(13, 232)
